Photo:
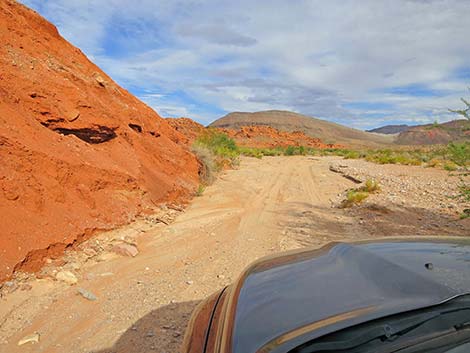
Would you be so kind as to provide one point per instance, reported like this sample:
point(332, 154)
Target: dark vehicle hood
point(283, 301)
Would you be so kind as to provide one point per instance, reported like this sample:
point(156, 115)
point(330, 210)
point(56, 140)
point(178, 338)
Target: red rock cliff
point(77, 152)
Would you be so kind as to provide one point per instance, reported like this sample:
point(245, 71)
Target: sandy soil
point(143, 303)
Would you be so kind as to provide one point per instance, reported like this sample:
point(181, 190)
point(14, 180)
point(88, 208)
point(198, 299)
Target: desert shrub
point(433, 156)
point(463, 112)
point(261, 152)
point(352, 155)
point(435, 125)
point(354, 197)
point(251, 152)
point(200, 190)
point(207, 168)
point(459, 153)
point(271, 152)
point(434, 163)
point(370, 186)
point(290, 151)
point(223, 149)
point(216, 140)
point(388, 156)
point(465, 192)
point(450, 166)
point(278, 151)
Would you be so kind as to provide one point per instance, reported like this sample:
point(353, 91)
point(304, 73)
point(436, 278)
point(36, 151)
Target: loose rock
point(100, 80)
point(67, 277)
point(33, 338)
point(72, 115)
point(126, 249)
point(86, 294)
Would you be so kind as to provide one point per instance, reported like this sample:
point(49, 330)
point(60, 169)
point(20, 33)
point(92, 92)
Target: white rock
point(67, 277)
point(33, 338)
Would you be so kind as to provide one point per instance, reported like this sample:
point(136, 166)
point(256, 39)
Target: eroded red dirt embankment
point(259, 136)
point(78, 153)
point(268, 137)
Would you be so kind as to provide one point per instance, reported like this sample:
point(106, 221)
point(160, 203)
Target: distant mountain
point(328, 132)
point(390, 129)
point(431, 134)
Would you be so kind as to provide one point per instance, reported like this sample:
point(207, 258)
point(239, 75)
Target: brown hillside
point(288, 121)
point(452, 131)
point(78, 153)
point(251, 136)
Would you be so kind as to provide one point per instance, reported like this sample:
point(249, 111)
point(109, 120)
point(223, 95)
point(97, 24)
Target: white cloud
point(314, 57)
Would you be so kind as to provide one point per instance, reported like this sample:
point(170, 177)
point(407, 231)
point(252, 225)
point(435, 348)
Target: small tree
point(464, 112)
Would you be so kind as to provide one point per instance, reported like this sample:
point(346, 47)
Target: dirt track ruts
point(144, 303)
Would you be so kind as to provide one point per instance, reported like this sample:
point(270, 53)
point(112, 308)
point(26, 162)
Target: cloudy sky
point(363, 63)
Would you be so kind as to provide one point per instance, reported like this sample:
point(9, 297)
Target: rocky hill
point(326, 131)
point(452, 131)
point(251, 136)
point(269, 137)
point(188, 127)
point(390, 129)
point(78, 153)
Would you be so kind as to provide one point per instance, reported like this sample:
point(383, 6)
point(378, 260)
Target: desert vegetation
point(463, 112)
point(215, 151)
point(357, 195)
point(450, 157)
point(465, 195)
point(218, 151)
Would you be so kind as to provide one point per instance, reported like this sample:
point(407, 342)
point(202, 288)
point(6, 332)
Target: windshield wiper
point(445, 318)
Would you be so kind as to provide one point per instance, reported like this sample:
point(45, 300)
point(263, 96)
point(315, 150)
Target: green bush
point(224, 149)
point(271, 152)
point(215, 140)
point(251, 152)
point(465, 214)
point(464, 112)
point(290, 151)
point(352, 155)
point(200, 190)
point(276, 151)
point(354, 197)
point(215, 151)
point(448, 157)
point(371, 186)
point(465, 192)
point(450, 166)
point(459, 153)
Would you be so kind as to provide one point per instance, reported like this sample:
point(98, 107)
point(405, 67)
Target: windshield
point(441, 329)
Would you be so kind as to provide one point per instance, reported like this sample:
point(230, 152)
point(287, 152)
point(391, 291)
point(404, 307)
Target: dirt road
point(143, 303)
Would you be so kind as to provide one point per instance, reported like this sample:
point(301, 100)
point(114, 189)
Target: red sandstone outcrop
point(78, 153)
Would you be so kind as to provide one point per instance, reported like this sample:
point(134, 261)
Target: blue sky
point(361, 63)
